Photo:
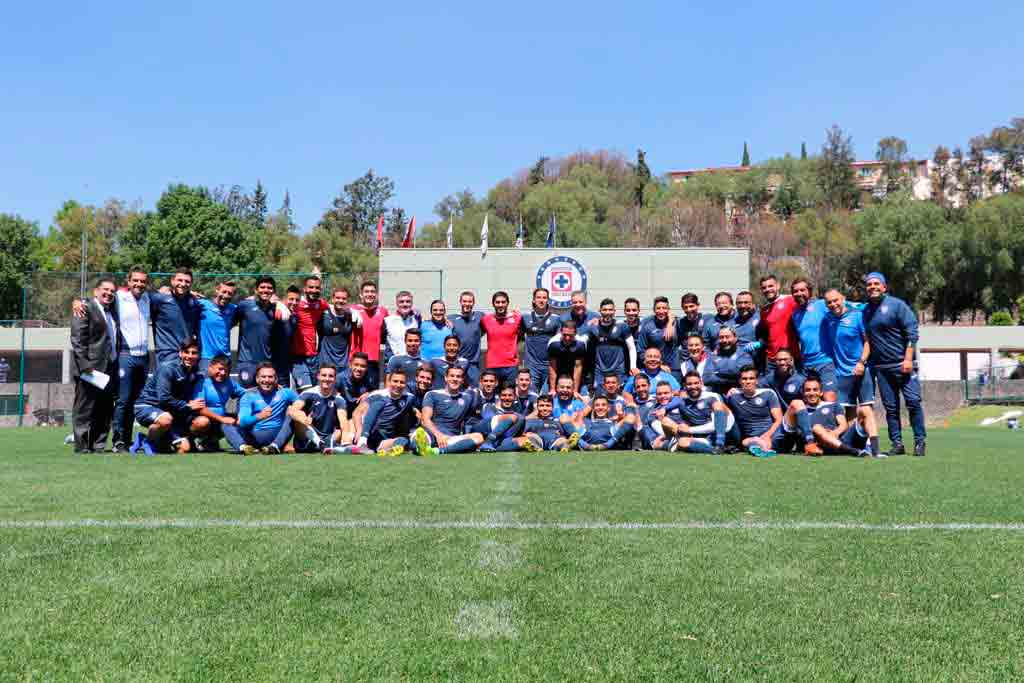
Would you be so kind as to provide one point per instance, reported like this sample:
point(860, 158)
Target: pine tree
point(536, 176)
point(259, 205)
point(746, 156)
point(642, 176)
point(803, 150)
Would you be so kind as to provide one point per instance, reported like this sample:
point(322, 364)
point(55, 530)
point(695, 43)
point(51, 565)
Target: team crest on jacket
point(759, 401)
point(791, 388)
point(885, 309)
point(700, 406)
point(561, 276)
point(826, 411)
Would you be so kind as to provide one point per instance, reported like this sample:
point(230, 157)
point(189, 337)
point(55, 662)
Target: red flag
point(410, 231)
point(380, 232)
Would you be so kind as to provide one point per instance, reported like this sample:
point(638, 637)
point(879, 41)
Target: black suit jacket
point(90, 340)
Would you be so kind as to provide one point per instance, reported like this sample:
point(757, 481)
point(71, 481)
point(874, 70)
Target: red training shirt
point(502, 340)
point(776, 327)
point(366, 337)
point(307, 318)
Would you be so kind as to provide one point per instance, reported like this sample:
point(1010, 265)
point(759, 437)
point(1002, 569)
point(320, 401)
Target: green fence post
point(21, 364)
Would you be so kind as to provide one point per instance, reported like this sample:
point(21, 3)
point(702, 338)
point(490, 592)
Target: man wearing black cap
point(891, 328)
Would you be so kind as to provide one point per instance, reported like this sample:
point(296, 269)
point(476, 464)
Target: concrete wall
point(615, 273)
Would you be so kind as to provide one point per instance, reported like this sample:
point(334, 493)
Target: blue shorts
point(855, 391)
point(854, 437)
point(304, 445)
point(147, 415)
point(548, 439)
point(827, 373)
point(304, 370)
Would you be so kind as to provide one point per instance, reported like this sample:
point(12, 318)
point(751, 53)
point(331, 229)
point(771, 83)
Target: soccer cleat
point(919, 449)
point(488, 447)
point(715, 450)
point(422, 442)
point(571, 442)
point(897, 449)
point(290, 449)
point(531, 446)
point(327, 451)
point(812, 448)
point(731, 450)
point(246, 449)
point(118, 448)
point(673, 446)
point(272, 449)
point(392, 452)
point(877, 455)
point(759, 452)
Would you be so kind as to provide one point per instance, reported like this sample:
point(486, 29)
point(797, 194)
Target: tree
point(892, 152)
point(803, 151)
point(537, 172)
point(190, 228)
point(455, 204)
point(746, 155)
point(279, 235)
point(642, 175)
point(943, 176)
point(356, 210)
point(835, 174)
point(18, 259)
point(395, 226)
point(259, 205)
point(1007, 143)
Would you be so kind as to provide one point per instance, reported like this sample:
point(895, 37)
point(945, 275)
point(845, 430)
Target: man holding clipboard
point(94, 346)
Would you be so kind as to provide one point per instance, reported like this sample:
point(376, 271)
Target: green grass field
point(610, 566)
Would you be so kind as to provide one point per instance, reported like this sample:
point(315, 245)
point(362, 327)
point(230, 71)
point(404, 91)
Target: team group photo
point(533, 342)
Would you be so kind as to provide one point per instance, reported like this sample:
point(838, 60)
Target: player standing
point(307, 314)
point(466, 326)
point(539, 327)
point(807, 319)
point(612, 341)
point(434, 331)
point(367, 337)
point(502, 330)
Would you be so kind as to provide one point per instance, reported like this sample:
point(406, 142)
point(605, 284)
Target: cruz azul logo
point(562, 276)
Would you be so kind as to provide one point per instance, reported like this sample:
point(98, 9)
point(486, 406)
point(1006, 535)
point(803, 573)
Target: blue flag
point(552, 226)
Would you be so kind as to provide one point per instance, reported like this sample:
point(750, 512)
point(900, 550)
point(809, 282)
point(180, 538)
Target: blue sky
point(108, 99)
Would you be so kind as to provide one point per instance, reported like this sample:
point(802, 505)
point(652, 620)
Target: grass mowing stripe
point(489, 524)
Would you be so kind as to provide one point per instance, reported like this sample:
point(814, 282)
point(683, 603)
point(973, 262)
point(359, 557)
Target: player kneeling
point(443, 418)
point(545, 432)
point(319, 417)
point(263, 422)
point(696, 423)
point(823, 425)
point(168, 407)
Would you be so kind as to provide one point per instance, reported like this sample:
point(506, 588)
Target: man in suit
point(94, 345)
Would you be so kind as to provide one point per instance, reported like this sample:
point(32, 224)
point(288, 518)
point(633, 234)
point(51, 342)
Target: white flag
point(483, 238)
point(451, 231)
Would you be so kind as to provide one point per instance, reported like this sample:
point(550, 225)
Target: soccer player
point(844, 341)
point(538, 328)
point(785, 380)
point(775, 330)
point(525, 396)
point(645, 403)
point(404, 318)
point(388, 410)
point(367, 337)
point(354, 382)
point(502, 330)
point(175, 316)
point(823, 425)
point(451, 358)
point(723, 368)
point(631, 313)
point(337, 324)
point(758, 414)
point(622, 411)
point(579, 314)
point(692, 321)
point(281, 342)
point(665, 405)
point(215, 390)
point(502, 422)
point(466, 326)
point(423, 383)
point(319, 417)
point(725, 315)
point(434, 331)
point(807, 318)
point(216, 318)
point(612, 341)
point(167, 406)
point(259, 320)
point(443, 418)
point(568, 409)
point(545, 432)
point(700, 422)
point(746, 321)
point(486, 393)
point(566, 355)
point(409, 361)
point(891, 327)
point(263, 414)
point(654, 371)
point(307, 314)
point(599, 433)
point(659, 332)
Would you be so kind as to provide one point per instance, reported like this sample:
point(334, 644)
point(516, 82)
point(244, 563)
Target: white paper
point(98, 379)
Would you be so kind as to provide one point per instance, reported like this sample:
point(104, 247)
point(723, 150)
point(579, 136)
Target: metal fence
point(1000, 382)
point(33, 348)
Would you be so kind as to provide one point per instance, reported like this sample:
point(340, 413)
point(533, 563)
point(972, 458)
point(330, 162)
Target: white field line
point(494, 524)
